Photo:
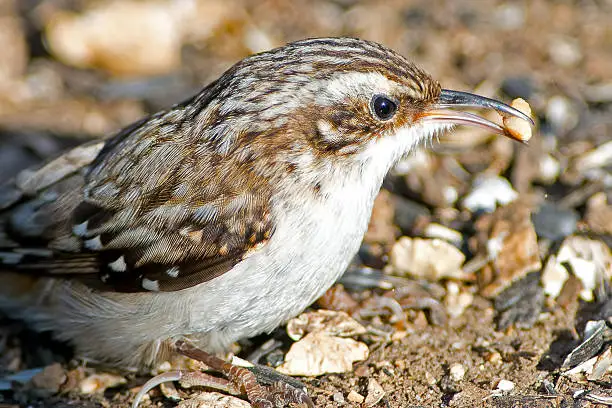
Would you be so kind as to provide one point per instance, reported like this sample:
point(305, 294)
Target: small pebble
point(518, 86)
point(505, 385)
point(561, 114)
point(495, 358)
point(552, 222)
point(599, 157)
point(457, 372)
point(375, 393)
point(487, 192)
point(164, 366)
point(338, 397)
point(430, 379)
point(97, 383)
point(585, 258)
point(431, 259)
point(549, 169)
point(451, 195)
point(565, 51)
point(407, 212)
point(456, 301)
point(434, 230)
point(510, 16)
point(355, 397)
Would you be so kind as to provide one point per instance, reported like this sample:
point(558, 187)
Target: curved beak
point(442, 112)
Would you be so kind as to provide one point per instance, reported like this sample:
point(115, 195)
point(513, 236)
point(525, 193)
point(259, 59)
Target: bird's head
point(329, 102)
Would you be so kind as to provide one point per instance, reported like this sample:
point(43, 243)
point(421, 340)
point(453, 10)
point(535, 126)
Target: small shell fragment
point(518, 128)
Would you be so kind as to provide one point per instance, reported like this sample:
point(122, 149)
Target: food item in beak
point(518, 128)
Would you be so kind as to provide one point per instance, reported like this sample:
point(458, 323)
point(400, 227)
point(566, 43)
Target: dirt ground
point(415, 370)
point(555, 54)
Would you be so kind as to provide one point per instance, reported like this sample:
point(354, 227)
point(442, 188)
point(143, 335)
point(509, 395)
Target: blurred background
point(75, 70)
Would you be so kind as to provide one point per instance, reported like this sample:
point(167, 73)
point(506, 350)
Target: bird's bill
point(443, 113)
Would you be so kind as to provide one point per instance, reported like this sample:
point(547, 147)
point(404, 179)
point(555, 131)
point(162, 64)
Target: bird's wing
point(154, 208)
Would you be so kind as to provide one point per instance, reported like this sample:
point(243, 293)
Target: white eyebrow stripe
point(355, 84)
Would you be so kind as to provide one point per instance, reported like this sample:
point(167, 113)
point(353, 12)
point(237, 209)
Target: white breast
point(315, 239)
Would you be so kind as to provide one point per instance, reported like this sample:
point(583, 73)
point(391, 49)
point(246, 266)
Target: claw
point(284, 393)
point(154, 382)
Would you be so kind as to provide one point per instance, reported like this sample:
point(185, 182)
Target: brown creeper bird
point(223, 216)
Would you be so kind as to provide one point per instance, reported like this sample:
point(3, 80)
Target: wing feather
point(145, 211)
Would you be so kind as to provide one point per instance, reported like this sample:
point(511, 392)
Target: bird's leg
point(240, 379)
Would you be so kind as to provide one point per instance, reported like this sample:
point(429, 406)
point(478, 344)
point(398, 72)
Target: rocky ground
point(484, 279)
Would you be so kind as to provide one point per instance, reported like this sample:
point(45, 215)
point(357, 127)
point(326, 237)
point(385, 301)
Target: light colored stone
point(355, 397)
point(599, 157)
point(505, 385)
point(487, 192)
point(549, 169)
point(456, 300)
point(331, 322)
point(375, 393)
point(431, 259)
point(320, 353)
point(97, 383)
point(435, 230)
point(457, 371)
point(589, 260)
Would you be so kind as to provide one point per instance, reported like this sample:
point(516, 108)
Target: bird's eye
point(383, 107)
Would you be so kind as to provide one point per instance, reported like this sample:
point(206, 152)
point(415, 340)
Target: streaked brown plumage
point(215, 158)
point(223, 216)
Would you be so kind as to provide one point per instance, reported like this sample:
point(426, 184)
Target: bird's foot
point(240, 380)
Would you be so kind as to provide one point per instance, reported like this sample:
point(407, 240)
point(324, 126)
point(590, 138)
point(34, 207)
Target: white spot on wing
point(151, 285)
point(80, 229)
point(118, 265)
point(354, 84)
point(173, 272)
point(93, 243)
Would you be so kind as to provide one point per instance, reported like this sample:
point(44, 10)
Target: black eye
point(383, 107)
